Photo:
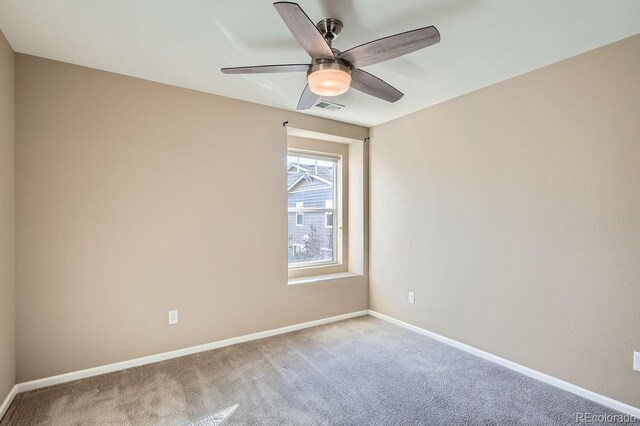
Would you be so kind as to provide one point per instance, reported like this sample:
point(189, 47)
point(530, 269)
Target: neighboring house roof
point(294, 167)
point(292, 177)
point(322, 171)
point(320, 180)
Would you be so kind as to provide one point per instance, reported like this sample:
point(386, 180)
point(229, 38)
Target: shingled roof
point(316, 176)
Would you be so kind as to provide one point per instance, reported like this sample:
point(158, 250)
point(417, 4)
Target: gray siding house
point(311, 234)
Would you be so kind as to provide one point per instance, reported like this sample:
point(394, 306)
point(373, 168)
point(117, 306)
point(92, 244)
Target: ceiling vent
point(329, 106)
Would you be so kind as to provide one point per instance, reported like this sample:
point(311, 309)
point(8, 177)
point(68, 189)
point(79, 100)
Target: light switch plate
point(412, 297)
point(636, 361)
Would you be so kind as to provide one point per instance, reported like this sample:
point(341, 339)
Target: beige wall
point(7, 228)
point(514, 214)
point(134, 198)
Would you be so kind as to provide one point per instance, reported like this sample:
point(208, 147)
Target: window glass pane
point(311, 184)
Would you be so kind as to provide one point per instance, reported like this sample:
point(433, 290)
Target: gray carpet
point(361, 371)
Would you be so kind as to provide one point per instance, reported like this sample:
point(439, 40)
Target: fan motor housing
point(330, 28)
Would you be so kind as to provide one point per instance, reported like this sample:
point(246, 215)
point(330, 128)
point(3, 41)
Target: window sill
point(324, 277)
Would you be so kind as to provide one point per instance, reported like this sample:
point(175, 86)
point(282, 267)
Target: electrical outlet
point(173, 317)
point(412, 297)
point(636, 361)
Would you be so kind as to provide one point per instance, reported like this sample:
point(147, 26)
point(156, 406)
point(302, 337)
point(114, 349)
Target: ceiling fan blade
point(372, 85)
point(264, 69)
point(391, 47)
point(307, 99)
point(304, 30)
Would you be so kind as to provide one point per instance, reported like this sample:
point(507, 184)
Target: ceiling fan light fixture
point(329, 79)
point(332, 72)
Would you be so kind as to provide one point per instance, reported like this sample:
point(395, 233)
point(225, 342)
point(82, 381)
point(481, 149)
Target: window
point(295, 249)
point(312, 190)
point(327, 175)
point(328, 220)
point(328, 215)
point(299, 215)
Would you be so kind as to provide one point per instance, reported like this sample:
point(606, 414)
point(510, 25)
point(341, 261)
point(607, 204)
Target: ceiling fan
point(331, 72)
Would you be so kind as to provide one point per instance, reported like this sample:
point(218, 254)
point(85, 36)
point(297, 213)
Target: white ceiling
point(186, 42)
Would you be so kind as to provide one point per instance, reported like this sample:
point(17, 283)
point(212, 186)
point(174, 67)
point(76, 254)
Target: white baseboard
point(109, 368)
point(585, 393)
point(7, 401)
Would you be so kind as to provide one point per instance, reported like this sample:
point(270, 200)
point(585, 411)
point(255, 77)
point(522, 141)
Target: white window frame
point(337, 194)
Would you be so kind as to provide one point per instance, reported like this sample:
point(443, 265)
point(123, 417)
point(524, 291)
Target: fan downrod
point(330, 28)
